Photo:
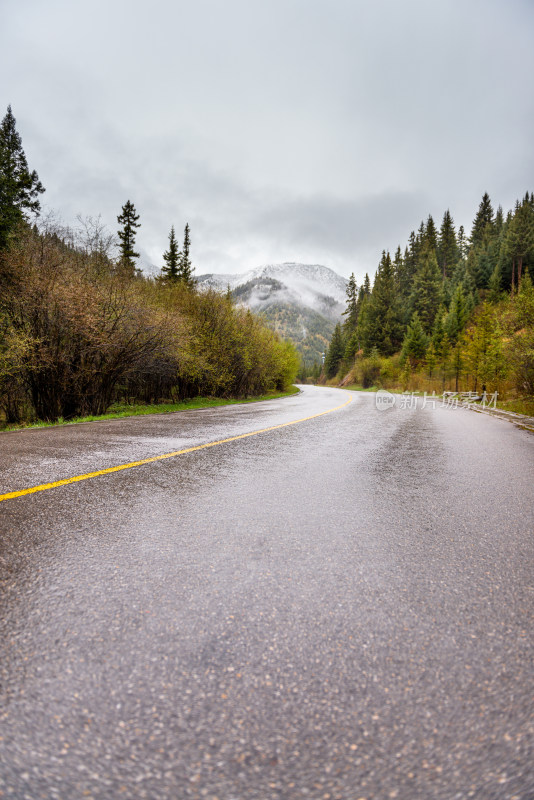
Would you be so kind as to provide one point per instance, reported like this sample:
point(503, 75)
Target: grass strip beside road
point(123, 410)
point(77, 478)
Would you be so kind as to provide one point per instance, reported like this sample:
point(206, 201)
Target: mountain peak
point(302, 301)
point(302, 284)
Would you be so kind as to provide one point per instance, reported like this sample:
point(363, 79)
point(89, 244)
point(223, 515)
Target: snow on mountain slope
point(300, 301)
point(310, 286)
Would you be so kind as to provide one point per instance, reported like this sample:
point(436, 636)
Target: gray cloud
point(282, 130)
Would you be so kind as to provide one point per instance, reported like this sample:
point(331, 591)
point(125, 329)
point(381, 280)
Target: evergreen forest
point(452, 311)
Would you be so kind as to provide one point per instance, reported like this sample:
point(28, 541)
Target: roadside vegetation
point(122, 410)
point(451, 312)
point(82, 329)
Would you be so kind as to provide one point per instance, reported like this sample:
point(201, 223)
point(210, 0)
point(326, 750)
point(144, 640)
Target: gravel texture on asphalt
point(339, 609)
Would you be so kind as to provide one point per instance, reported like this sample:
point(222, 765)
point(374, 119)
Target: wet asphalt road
point(342, 608)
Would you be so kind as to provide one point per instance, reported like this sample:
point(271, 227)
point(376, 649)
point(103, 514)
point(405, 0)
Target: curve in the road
point(76, 478)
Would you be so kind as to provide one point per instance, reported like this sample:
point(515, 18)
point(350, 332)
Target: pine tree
point(186, 268)
point(411, 257)
point(431, 236)
point(398, 265)
point(447, 246)
point(335, 353)
point(519, 239)
point(415, 342)
point(446, 292)
point(382, 326)
point(459, 274)
point(426, 294)
point(351, 312)
point(483, 219)
point(129, 221)
point(471, 274)
point(495, 284)
point(505, 258)
point(499, 221)
point(172, 256)
point(403, 274)
point(463, 245)
point(19, 188)
point(483, 348)
point(420, 238)
point(352, 346)
point(354, 343)
point(438, 332)
point(457, 316)
point(520, 347)
point(480, 261)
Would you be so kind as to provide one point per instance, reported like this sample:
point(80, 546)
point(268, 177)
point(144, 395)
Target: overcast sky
point(319, 131)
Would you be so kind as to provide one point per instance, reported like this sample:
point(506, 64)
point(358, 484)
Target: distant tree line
point(81, 329)
point(449, 305)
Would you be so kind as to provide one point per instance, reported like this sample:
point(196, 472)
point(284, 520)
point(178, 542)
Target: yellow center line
point(45, 486)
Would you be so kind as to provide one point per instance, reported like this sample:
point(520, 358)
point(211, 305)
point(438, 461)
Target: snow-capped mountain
point(301, 301)
point(309, 285)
